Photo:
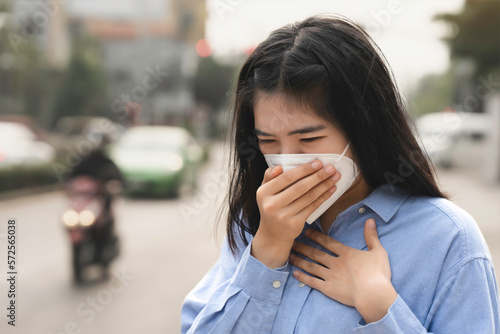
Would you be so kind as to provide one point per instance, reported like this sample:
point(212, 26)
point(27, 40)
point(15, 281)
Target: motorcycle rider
point(102, 169)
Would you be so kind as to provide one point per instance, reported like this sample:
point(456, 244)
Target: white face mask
point(344, 165)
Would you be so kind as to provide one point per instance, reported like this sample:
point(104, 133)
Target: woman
point(389, 253)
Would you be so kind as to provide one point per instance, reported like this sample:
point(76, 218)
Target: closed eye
point(308, 140)
point(265, 141)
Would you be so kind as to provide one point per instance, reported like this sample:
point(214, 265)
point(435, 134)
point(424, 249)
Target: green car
point(157, 160)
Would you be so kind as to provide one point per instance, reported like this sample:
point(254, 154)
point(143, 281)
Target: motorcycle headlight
point(70, 218)
point(87, 218)
point(174, 162)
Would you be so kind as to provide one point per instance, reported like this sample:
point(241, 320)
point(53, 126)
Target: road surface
point(167, 246)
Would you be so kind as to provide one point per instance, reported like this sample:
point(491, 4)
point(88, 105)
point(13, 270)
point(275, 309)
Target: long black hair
point(331, 65)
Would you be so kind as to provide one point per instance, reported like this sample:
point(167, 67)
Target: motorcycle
point(89, 221)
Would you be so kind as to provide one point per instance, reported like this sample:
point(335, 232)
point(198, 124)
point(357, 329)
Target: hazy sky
point(403, 29)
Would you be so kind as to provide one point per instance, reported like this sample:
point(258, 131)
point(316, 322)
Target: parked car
point(85, 125)
point(157, 160)
point(20, 147)
point(73, 131)
point(454, 139)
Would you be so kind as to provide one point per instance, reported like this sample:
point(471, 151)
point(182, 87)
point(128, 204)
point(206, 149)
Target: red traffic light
point(203, 48)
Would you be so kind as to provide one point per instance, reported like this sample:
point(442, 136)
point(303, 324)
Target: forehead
point(277, 112)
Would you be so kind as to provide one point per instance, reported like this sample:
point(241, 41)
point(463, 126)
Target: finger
point(271, 173)
point(308, 266)
point(314, 254)
point(313, 282)
point(293, 175)
point(371, 235)
point(306, 187)
point(322, 239)
point(302, 206)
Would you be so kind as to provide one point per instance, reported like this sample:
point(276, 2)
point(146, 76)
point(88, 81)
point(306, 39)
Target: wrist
point(375, 303)
point(271, 252)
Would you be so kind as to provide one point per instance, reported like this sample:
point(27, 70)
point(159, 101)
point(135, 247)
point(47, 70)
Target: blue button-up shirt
point(441, 269)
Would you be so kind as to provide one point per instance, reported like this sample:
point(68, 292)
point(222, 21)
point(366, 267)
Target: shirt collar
point(386, 200)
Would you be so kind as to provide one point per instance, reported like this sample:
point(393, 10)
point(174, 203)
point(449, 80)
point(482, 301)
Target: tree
point(83, 91)
point(476, 35)
point(4, 6)
point(21, 81)
point(433, 93)
point(212, 82)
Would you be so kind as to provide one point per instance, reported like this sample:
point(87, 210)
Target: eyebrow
point(303, 130)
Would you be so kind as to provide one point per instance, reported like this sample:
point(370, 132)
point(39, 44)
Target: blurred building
point(147, 48)
point(150, 59)
point(45, 25)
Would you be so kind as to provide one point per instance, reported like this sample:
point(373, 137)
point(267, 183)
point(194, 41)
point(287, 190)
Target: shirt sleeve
point(467, 302)
point(239, 294)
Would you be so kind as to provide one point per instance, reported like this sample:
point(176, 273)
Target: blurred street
point(134, 95)
point(168, 245)
point(165, 251)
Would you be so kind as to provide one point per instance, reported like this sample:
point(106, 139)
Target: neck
point(357, 192)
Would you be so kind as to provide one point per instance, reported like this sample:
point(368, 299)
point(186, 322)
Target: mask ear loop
point(345, 150)
point(343, 154)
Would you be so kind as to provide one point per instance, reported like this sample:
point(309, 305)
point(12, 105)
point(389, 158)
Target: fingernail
point(329, 169)
point(371, 223)
point(316, 164)
point(291, 257)
point(332, 189)
point(336, 176)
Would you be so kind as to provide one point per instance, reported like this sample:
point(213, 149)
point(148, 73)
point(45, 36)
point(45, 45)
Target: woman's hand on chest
point(357, 278)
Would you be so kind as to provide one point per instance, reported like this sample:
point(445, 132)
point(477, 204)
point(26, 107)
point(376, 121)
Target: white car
point(19, 147)
point(454, 139)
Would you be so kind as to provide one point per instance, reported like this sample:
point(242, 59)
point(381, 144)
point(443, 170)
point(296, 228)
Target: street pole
point(492, 152)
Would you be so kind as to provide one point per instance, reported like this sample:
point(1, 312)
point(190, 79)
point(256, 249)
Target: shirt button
point(362, 210)
point(276, 284)
point(301, 285)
